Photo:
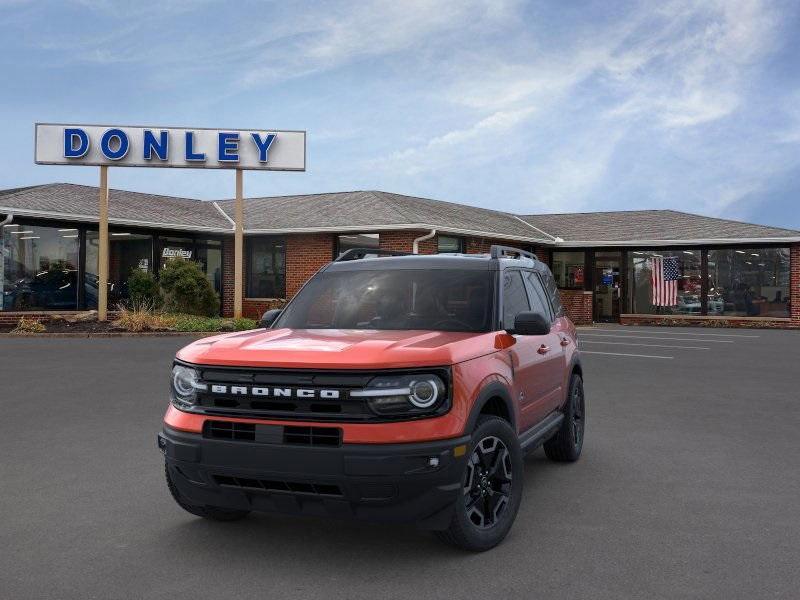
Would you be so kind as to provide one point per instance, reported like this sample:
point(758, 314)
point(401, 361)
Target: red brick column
point(578, 305)
point(306, 254)
point(794, 284)
point(227, 276)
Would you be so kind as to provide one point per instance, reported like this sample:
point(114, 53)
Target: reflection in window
point(515, 298)
point(357, 240)
point(39, 268)
point(128, 252)
point(448, 243)
point(747, 282)
point(568, 269)
point(652, 269)
point(266, 267)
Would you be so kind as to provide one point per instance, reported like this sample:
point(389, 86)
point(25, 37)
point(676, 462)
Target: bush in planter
point(186, 289)
point(143, 289)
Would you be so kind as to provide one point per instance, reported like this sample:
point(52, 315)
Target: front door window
point(607, 286)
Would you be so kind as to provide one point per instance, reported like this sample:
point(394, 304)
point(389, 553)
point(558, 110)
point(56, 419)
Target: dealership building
point(722, 272)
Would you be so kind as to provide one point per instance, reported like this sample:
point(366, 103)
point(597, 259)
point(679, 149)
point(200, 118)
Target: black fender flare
point(494, 389)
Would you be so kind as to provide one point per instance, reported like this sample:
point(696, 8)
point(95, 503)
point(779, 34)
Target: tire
point(215, 513)
point(486, 510)
point(566, 444)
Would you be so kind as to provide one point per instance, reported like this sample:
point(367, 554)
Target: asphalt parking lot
point(688, 487)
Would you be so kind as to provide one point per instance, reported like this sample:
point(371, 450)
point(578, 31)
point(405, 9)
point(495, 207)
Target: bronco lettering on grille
point(275, 392)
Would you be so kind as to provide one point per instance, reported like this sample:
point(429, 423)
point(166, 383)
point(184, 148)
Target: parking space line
point(624, 354)
point(648, 345)
point(650, 337)
point(734, 335)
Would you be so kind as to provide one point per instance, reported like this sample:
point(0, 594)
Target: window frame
point(248, 246)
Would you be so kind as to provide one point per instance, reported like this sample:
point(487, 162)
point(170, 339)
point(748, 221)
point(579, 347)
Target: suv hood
point(339, 348)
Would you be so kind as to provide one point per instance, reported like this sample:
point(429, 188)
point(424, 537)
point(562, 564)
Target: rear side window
point(552, 291)
point(538, 297)
point(515, 299)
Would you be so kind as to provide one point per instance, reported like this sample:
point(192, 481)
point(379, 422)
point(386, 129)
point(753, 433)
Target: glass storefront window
point(748, 282)
point(266, 267)
point(449, 243)
point(357, 240)
point(39, 268)
point(174, 247)
point(209, 255)
point(128, 252)
point(666, 282)
point(569, 270)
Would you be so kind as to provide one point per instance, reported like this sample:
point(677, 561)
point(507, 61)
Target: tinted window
point(446, 243)
point(537, 295)
point(515, 299)
point(552, 292)
point(39, 269)
point(438, 300)
point(266, 268)
point(749, 282)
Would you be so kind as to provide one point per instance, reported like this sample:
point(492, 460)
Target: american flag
point(664, 277)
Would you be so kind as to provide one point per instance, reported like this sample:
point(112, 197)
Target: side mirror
point(268, 318)
point(531, 323)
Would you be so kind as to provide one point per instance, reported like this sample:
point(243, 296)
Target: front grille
point(319, 405)
point(272, 486)
point(227, 430)
point(313, 436)
point(273, 434)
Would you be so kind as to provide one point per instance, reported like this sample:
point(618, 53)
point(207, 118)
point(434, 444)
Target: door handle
point(543, 349)
point(564, 341)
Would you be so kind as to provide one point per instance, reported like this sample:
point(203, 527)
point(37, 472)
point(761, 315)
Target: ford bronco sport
point(391, 388)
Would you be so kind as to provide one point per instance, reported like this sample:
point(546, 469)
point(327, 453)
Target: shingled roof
point(79, 203)
point(363, 211)
point(356, 211)
point(644, 226)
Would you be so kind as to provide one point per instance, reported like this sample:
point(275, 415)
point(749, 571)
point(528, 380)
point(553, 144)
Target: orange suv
point(399, 388)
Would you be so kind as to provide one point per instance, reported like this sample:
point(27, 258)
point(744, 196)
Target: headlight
point(185, 385)
point(411, 394)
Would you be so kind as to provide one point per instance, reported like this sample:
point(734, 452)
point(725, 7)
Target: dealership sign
point(193, 148)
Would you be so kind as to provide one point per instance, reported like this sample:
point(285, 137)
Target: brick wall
point(227, 276)
point(794, 283)
point(578, 305)
point(305, 255)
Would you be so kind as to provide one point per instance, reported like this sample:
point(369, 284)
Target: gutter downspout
point(7, 220)
point(427, 236)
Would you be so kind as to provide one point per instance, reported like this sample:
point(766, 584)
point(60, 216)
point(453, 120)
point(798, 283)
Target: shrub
point(26, 325)
point(141, 317)
point(243, 324)
point(143, 289)
point(186, 289)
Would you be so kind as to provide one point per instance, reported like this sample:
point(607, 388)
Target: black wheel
point(491, 488)
point(215, 513)
point(566, 444)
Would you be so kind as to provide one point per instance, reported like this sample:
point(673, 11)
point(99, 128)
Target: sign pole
point(238, 255)
point(102, 257)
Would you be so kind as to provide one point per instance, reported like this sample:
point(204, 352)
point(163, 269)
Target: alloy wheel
point(487, 486)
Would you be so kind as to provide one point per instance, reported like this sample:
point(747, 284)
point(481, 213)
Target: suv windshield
point(443, 300)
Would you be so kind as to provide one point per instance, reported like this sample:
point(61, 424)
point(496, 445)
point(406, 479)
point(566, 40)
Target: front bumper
point(402, 483)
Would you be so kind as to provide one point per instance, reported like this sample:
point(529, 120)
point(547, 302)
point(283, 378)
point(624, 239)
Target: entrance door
point(607, 286)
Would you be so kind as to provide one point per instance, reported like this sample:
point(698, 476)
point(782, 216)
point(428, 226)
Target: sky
point(528, 107)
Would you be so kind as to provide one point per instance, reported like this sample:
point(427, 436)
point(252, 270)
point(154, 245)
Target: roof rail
point(359, 253)
point(497, 251)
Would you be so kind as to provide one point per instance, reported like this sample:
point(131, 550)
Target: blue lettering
point(190, 153)
point(70, 137)
point(159, 146)
point(263, 145)
point(122, 144)
point(228, 142)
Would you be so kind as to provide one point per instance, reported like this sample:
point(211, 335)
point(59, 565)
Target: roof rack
point(359, 253)
point(497, 251)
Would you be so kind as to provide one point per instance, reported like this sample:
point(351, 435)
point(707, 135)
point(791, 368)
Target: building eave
point(113, 221)
point(681, 242)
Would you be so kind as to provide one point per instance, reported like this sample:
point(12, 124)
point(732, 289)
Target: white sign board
point(189, 148)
